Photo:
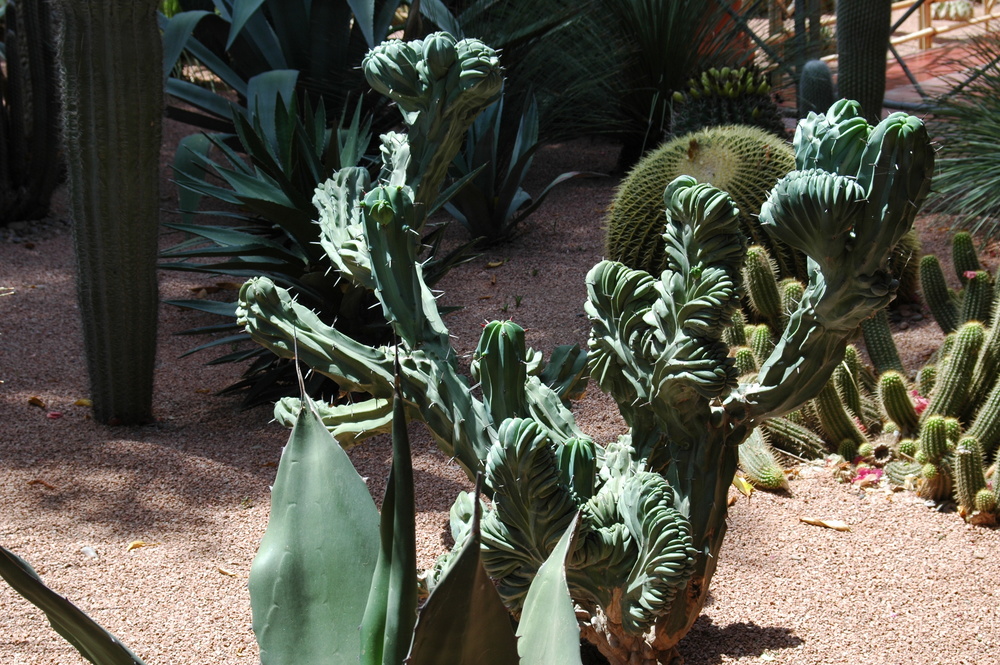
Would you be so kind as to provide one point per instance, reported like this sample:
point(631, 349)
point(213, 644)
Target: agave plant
point(492, 203)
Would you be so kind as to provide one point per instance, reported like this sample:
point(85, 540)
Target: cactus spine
point(938, 296)
point(114, 184)
point(969, 478)
point(760, 465)
point(862, 44)
point(896, 402)
point(951, 389)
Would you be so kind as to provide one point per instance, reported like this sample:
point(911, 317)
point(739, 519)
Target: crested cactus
point(726, 96)
point(862, 45)
point(649, 534)
point(746, 162)
point(114, 183)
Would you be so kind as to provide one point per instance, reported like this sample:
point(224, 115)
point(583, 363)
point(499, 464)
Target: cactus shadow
point(708, 643)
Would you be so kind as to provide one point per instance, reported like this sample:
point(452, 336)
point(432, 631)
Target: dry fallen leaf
point(83, 402)
point(39, 481)
point(203, 391)
point(836, 525)
point(226, 572)
point(741, 483)
point(136, 544)
point(35, 400)
point(495, 264)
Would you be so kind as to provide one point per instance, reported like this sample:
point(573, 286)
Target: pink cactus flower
point(919, 403)
point(969, 274)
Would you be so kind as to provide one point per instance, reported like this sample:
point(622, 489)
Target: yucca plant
point(967, 121)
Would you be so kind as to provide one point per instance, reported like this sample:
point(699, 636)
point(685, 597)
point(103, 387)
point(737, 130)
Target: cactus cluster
point(651, 505)
point(726, 96)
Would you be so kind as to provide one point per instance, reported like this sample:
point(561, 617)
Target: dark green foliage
point(316, 45)
point(726, 96)
point(30, 160)
point(662, 46)
point(862, 45)
point(114, 183)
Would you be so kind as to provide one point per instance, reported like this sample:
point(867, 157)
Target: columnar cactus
point(113, 103)
point(649, 534)
point(862, 44)
point(30, 162)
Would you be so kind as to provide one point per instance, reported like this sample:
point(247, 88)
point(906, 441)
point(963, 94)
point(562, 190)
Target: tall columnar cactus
point(862, 45)
point(816, 89)
point(649, 535)
point(30, 161)
point(112, 83)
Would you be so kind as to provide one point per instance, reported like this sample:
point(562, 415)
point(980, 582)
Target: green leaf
point(92, 641)
point(464, 621)
point(391, 613)
point(311, 576)
point(548, 631)
point(176, 32)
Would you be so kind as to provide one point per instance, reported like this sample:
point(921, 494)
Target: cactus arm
point(440, 85)
point(275, 321)
point(533, 508)
point(341, 227)
point(937, 294)
point(391, 231)
point(349, 423)
point(847, 226)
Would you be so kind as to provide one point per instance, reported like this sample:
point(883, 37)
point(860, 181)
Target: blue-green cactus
point(652, 507)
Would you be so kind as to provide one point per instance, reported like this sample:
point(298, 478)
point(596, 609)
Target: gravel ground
point(152, 530)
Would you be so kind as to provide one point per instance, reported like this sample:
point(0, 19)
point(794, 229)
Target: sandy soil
point(152, 530)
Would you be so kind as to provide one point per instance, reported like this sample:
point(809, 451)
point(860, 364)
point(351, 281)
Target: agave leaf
point(192, 151)
point(391, 611)
point(176, 32)
point(92, 641)
point(548, 631)
point(311, 576)
point(464, 621)
point(242, 11)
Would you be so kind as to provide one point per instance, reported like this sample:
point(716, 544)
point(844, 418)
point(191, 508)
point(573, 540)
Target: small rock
point(904, 325)
point(89, 552)
point(917, 317)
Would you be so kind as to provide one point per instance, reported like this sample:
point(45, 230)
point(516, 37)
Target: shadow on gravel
point(708, 643)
